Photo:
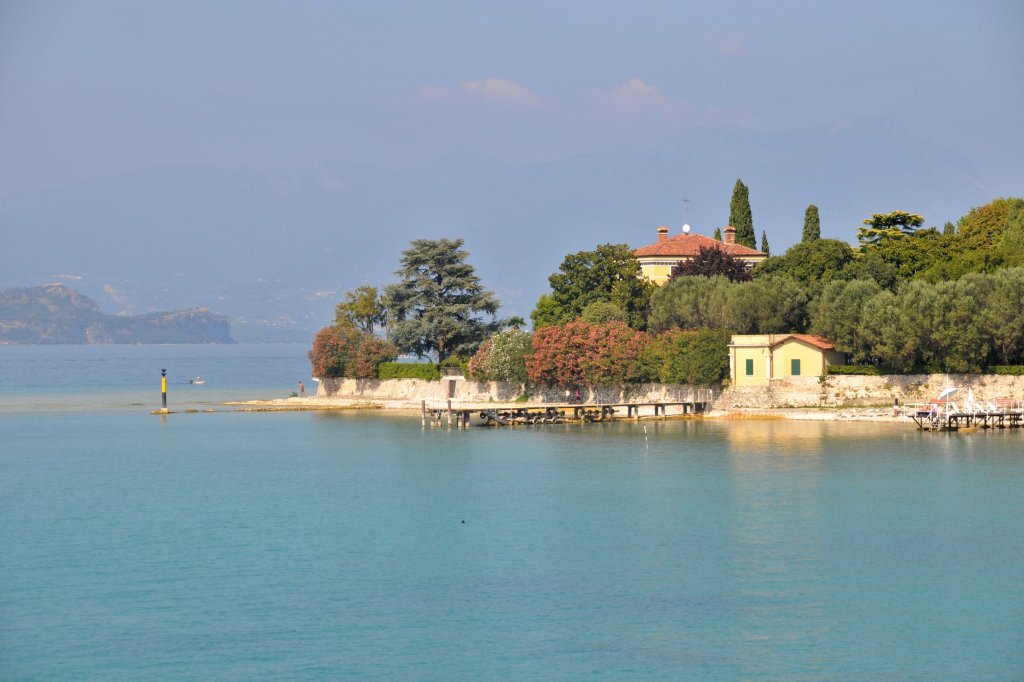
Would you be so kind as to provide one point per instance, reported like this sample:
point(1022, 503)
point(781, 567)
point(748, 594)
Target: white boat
point(197, 380)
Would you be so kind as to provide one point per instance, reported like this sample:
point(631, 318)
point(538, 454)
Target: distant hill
point(276, 251)
point(54, 313)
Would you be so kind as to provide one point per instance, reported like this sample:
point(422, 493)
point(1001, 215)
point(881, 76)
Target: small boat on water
point(197, 380)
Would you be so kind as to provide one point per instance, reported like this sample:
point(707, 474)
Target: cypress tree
point(718, 233)
point(949, 229)
point(812, 224)
point(740, 216)
point(764, 243)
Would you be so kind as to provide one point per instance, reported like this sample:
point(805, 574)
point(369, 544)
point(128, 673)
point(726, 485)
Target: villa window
point(749, 367)
point(794, 367)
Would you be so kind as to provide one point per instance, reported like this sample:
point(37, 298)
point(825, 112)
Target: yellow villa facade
point(658, 259)
point(757, 359)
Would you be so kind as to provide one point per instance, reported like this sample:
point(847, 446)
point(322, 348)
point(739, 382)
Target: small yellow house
point(658, 259)
point(756, 359)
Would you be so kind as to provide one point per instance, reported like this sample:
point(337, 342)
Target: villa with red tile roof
point(658, 259)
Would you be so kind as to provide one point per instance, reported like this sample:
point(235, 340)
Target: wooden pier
point(513, 414)
point(950, 417)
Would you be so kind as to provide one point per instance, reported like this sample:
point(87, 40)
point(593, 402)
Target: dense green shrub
point(1007, 370)
point(409, 370)
point(456, 361)
point(687, 357)
point(859, 370)
point(502, 357)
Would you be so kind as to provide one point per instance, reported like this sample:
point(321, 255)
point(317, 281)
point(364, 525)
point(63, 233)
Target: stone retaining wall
point(834, 391)
point(865, 391)
point(415, 390)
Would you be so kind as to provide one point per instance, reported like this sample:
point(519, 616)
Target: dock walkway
point(950, 417)
point(513, 414)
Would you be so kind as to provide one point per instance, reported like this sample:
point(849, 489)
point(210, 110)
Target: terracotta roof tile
point(816, 341)
point(688, 245)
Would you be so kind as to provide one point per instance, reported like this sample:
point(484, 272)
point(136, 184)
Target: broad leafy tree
point(438, 304)
point(812, 224)
point(922, 253)
point(363, 307)
point(838, 312)
point(1009, 250)
point(698, 358)
point(873, 267)
point(769, 305)
point(811, 263)
point(601, 312)
point(609, 273)
point(740, 215)
point(881, 226)
point(691, 303)
point(343, 350)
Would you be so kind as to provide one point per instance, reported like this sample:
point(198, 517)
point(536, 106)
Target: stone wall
point(866, 391)
point(835, 391)
point(412, 391)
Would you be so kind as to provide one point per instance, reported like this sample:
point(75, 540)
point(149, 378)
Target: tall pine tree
point(812, 225)
point(764, 243)
point(718, 233)
point(740, 216)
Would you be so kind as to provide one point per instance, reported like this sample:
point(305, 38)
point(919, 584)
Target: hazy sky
point(98, 87)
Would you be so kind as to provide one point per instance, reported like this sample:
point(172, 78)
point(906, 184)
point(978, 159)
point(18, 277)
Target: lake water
point(323, 546)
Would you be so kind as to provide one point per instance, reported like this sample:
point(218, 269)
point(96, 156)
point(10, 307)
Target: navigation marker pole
point(163, 394)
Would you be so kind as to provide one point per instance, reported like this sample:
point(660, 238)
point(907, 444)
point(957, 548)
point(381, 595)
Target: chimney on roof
point(662, 233)
point(729, 234)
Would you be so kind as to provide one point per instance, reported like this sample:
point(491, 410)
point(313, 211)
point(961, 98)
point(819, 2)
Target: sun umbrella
point(946, 392)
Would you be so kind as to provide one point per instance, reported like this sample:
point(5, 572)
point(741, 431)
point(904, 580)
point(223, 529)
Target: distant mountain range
point(275, 251)
point(54, 314)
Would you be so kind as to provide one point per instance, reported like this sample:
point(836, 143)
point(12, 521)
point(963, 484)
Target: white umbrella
point(946, 392)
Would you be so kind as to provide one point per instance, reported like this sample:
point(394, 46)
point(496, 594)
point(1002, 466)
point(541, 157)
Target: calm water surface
point(308, 546)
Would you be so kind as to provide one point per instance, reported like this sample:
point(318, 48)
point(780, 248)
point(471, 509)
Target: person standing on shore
point(302, 390)
point(579, 397)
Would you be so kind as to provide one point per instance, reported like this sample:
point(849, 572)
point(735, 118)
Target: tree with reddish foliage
point(580, 353)
point(345, 351)
point(333, 347)
point(710, 262)
point(368, 356)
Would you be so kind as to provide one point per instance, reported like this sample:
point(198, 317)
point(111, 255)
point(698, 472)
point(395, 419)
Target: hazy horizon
point(312, 129)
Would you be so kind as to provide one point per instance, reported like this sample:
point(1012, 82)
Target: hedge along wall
point(408, 370)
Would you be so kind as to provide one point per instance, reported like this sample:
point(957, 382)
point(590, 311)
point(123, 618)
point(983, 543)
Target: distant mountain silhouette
point(54, 313)
point(276, 251)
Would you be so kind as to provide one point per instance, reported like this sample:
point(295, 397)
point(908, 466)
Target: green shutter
point(750, 367)
point(794, 367)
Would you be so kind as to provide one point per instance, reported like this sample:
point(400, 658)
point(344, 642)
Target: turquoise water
point(316, 546)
